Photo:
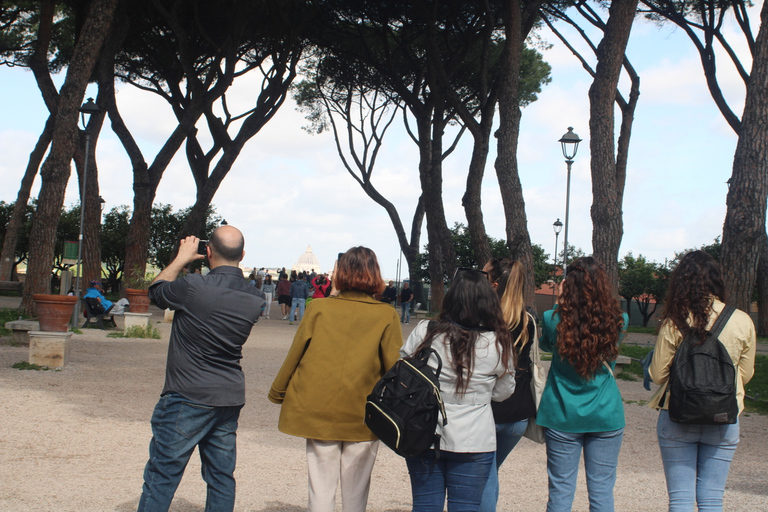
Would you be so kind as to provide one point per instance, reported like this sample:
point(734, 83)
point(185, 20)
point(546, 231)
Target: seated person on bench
point(95, 291)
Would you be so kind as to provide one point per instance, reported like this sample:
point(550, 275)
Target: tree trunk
point(744, 227)
point(39, 66)
point(472, 196)
point(518, 238)
point(607, 178)
point(8, 256)
point(56, 169)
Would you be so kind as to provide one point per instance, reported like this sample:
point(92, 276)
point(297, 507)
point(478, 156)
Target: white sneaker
point(285, 317)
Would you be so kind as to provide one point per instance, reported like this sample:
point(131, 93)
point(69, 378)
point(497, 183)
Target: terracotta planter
point(138, 300)
point(54, 312)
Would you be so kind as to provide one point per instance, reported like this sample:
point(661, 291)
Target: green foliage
point(114, 233)
point(8, 315)
point(22, 242)
point(712, 249)
point(465, 256)
point(757, 388)
point(23, 365)
point(644, 281)
point(19, 23)
point(68, 230)
point(137, 331)
point(166, 228)
point(634, 369)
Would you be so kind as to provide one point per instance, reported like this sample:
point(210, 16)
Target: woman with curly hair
point(478, 362)
point(697, 458)
point(511, 415)
point(581, 407)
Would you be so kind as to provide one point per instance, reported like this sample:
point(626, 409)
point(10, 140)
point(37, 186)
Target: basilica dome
point(307, 262)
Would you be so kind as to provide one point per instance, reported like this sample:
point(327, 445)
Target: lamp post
point(570, 144)
point(557, 226)
point(88, 109)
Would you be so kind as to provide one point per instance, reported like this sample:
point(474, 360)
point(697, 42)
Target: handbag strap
point(536, 359)
point(605, 363)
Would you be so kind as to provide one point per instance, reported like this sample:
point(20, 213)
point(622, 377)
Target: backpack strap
point(722, 319)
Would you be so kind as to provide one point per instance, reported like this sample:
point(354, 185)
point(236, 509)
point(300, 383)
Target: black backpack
point(403, 408)
point(702, 379)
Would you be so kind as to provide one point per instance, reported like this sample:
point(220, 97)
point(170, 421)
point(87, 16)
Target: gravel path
point(76, 439)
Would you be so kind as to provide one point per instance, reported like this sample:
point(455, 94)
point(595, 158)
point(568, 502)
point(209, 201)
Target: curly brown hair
point(689, 298)
point(590, 318)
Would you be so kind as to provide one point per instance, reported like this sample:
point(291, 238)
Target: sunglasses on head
point(467, 269)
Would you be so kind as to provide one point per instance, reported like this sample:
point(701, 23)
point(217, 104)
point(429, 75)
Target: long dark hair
point(590, 318)
point(470, 307)
point(689, 297)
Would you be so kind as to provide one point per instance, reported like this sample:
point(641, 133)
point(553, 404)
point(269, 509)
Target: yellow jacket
point(341, 349)
point(738, 337)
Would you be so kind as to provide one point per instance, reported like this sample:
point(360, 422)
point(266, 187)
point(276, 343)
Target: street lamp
point(570, 144)
point(557, 226)
point(86, 111)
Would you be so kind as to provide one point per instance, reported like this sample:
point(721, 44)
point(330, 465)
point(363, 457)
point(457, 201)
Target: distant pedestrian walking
point(406, 296)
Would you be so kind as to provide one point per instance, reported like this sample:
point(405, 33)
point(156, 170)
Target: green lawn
point(641, 330)
point(757, 388)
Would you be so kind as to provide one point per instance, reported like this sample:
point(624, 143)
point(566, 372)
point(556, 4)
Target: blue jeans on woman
point(178, 426)
point(696, 461)
point(507, 437)
point(462, 475)
point(601, 456)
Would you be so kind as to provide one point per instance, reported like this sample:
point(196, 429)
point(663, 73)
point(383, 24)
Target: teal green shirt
point(571, 403)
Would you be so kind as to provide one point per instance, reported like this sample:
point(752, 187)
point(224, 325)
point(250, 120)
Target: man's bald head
point(227, 244)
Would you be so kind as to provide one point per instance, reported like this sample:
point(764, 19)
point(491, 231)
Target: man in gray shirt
point(204, 385)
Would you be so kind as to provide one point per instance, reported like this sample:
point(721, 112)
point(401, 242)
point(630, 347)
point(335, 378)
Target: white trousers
point(268, 306)
point(331, 461)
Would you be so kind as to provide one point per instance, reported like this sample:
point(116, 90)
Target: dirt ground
point(77, 439)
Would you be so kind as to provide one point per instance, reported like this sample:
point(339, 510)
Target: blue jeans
point(297, 303)
point(507, 437)
point(405, 316)
point(601, 456)
point(462, 475)
point(696, 462)
point(178, 426)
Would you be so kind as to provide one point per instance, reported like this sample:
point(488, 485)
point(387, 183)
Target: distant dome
point(307, 262)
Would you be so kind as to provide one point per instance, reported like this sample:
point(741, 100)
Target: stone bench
point(21, 330)
point(621, 362)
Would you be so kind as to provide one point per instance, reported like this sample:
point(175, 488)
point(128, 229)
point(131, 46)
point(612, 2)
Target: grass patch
point(8, 315)
point(757, 388)
point(9, 293)
point(23, 365)
point(136, 331)
point(641, 330)
point(634, 370)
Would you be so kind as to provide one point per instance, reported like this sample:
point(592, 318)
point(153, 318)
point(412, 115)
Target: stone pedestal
point(168, 316)
point(20, 329)
point(139, 319)
point(49, 348)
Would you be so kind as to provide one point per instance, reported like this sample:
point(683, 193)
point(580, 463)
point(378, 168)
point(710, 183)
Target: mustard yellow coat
point(341, 349)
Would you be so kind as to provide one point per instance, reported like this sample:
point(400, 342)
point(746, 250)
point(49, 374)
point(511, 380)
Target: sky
point(289, 190)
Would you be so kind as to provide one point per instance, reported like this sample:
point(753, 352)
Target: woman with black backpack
point(697, 457)
point(473, 343)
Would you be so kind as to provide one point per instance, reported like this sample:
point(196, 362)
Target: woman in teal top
point(581, 406)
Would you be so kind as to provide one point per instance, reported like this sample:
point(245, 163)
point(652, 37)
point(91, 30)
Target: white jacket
point(470, 427)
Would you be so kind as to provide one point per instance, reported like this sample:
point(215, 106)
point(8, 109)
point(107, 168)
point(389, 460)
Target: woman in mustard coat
point(342, 347)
